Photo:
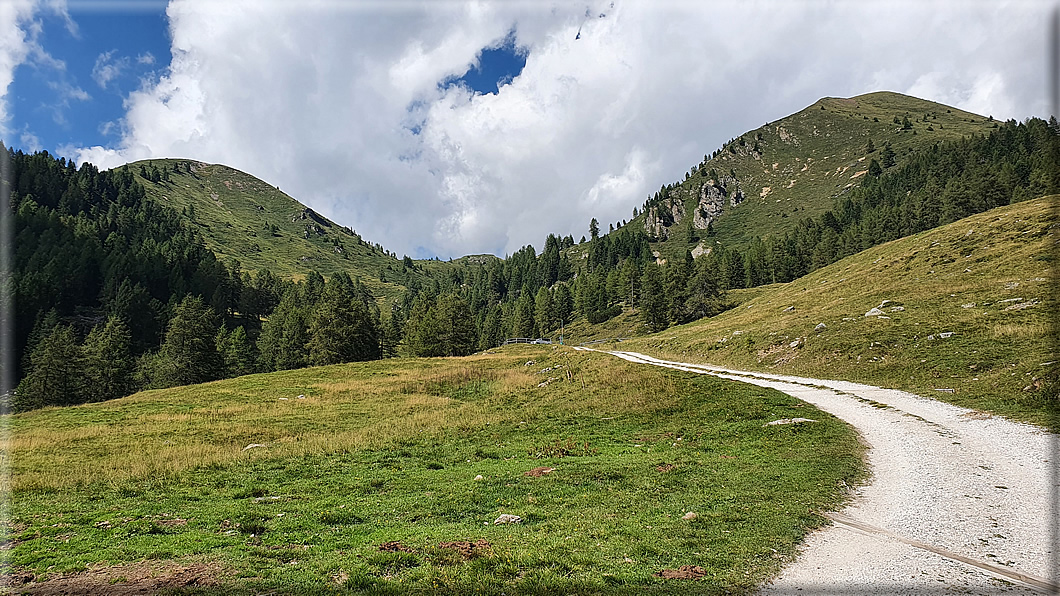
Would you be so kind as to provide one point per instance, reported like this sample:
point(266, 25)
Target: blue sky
point(445, 128)
point(76, 98)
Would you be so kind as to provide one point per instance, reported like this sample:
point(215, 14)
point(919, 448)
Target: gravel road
point(959, 501)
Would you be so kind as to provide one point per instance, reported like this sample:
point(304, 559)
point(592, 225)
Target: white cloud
point(147, 58)
point(107, 68)
point(29, 141)
point(319, 98)
point(18, 38)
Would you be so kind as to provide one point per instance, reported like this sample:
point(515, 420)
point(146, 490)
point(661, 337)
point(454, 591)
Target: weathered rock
point(689, 516)
point(874, 312)
point(784, 421)
point(507, 518)
point(820, 327)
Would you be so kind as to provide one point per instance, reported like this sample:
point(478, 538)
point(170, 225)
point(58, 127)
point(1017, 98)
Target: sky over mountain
point(451, 128)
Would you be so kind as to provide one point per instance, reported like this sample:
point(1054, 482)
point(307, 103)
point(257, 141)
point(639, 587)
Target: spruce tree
point(652, 299)
point(237, 352)
point(283, 336)
point(543, 312)
point(56, 372)
point(189, 353)
point(109, 363)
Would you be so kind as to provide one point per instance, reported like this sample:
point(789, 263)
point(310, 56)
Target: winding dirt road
point(958, 502)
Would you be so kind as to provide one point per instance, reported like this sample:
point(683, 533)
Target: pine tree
point(189, 353)
point(523, 318)
point(562, 304)
point(237, 352)
point(704, 297)
point(543, 312)
point(887, 156)
point(459, 334)
point(284, 335)
point(108, 359)
point(652, 299)
point(492, 328)
point(340, 329)
point(55, 375)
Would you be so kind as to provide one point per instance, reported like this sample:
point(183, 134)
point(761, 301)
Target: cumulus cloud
point(108, 68)
point(19, 32)
point(29, 140)
point(341, 104)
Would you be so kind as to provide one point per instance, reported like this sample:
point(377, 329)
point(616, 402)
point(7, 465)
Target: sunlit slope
point(963, 315)
point(602, 460)
point(244, 218)
point(797, 166)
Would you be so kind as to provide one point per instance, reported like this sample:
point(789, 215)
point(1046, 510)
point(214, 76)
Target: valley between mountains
point(824, 361)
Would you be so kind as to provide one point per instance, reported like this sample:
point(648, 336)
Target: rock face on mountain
point(711, 198)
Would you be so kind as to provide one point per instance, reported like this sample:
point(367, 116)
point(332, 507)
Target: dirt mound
point(395, 547)
point(665, 467)
point(538, 472)
point(682, 572)
point(126, 580)
point(468, 549)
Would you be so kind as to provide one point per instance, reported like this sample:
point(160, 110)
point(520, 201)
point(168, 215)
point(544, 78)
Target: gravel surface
point(978, 489)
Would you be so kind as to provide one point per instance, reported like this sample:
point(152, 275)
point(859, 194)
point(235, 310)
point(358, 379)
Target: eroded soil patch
point(123, 580)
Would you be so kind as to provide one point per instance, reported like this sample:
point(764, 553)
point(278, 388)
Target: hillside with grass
point(964, 313)
point(765, 180)
point(243, 218)
point(389, 477)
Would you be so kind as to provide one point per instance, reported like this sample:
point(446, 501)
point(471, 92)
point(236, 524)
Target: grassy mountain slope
point(289, 482)
point(968, 318)
point(244, 218)
point(796, 166)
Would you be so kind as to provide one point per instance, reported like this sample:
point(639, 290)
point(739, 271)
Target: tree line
point(114, 293)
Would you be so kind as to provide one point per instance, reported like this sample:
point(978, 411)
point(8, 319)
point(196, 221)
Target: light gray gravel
point(947, 478)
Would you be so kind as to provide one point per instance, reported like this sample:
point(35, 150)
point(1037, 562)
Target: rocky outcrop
point(665, 215)
point(711, 198)
point(309, 214)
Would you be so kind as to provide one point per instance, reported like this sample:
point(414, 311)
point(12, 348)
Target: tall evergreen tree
point(653, 299)
point(284, 335)
point(237, 352)
point(108, 361)
point(189, 353)
point(543, 312)
point(56, 372)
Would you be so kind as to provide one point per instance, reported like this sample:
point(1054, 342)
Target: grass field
point(807, 159)
point(415, 453)
point(970, 318)
point(243, 218)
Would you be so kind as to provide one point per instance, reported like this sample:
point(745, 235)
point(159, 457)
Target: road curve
point(959, 501)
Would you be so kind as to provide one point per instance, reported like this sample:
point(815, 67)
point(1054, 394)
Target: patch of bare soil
point(467, 549)
point(664, 467)
point(123, 580)
point(395, 547)
point(539, 472)
point(682, 572)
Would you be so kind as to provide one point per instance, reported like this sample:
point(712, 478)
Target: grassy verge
point(969, 317)
point(391, 452)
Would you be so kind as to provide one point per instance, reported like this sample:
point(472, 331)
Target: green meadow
point(387, 477)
